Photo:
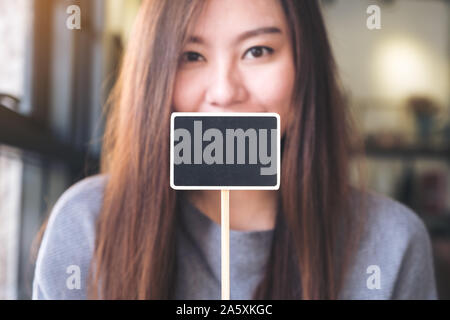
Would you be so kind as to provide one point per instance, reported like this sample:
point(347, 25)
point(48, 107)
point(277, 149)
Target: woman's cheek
point(186, 92)
point(273, 89)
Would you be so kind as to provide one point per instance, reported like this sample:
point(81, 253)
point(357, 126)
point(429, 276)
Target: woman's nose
point(225, 88)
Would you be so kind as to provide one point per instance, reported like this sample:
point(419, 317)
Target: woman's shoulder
point(86, 193)
point(79, 205)
point(388, 218)
point(396, 247)
point(68, 241)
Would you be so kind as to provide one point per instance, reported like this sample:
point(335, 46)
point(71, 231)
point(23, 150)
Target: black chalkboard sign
point(224, 151)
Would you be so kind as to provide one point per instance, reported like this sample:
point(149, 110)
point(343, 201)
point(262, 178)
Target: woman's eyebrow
point(243, 36)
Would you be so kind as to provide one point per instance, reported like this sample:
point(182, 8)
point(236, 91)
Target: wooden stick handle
point(225, 217)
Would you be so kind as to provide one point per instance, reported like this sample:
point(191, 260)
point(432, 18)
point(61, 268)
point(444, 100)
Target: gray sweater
point(394, 258)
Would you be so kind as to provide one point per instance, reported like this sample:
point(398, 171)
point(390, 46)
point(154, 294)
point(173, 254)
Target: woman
point(314, 238)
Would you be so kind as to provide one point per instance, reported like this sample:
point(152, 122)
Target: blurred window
point(10, 191)
point(15, 25)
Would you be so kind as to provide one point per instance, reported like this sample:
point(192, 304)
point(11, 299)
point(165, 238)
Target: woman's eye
point(190, 56)
point(258, 51)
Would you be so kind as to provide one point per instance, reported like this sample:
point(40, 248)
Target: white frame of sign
point(224, 114)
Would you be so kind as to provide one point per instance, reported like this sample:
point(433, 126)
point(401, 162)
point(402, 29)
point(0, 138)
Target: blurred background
point(54, 81)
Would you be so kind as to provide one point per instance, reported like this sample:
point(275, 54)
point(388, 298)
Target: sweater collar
point(249, 250)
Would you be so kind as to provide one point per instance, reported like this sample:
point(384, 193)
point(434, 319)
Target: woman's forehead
point(230, 18)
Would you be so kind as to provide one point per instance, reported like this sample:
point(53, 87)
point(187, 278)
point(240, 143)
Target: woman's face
point(239, 59)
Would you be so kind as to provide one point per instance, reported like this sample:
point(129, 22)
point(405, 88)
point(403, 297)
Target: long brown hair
point(315, 233)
